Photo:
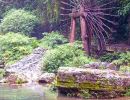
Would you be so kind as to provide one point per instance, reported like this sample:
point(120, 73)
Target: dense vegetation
point(15, 45)
point(47, 11)
point(21, 19)
point(18, 21)
point(52, 40)
point(65, 55)
point(60, 53)
point(120, 59)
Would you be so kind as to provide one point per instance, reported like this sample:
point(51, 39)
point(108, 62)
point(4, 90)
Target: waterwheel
point(96, 19)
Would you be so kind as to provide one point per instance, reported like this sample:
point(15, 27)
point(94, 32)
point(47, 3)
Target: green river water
point(33, 92)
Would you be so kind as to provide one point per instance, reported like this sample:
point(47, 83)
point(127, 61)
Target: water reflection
point(33, 92)
point(16, 92)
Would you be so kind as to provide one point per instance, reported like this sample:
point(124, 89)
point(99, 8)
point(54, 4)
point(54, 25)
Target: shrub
point(15, 46)
point(128, 92)
point(18, 21)
point(109, 57)
point(53, 39)
point(124, 59)
point(125, 69)
point(62, 56)
point(85, 94)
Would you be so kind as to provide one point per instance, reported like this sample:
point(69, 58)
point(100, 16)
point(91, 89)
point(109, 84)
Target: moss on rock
point(108, 81)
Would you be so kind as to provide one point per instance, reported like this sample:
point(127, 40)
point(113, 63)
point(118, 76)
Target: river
point(33, 92)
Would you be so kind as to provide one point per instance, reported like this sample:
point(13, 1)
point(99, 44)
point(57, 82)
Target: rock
point(30, 66)
point(15, 79)
point(92, 79)
point(46, 78)
point(96, 65)
point(2, 64)
point(101, 65)
point(39, 50)
point(3, 81)
point(112, 66)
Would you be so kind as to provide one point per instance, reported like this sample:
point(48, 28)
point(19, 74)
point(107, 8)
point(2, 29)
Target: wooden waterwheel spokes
point(96, 20)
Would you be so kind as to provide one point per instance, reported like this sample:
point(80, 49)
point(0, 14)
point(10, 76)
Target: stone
point(2, 64)
point(101, 65)
point(3, 80)
point(92, 79)
point(39, 50)
point(30, 66)
point(46, 78)
point(112, 66)
point(15, 79)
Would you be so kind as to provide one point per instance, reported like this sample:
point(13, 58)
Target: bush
point(125, 69)
point(119, 58)
point(124, 59)
point(18, 21)
point(109, 57)
point(62, 56)
point(128, 92)
point(52, 40)
point(15, 46)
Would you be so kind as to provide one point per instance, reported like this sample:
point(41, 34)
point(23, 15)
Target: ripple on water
point(34, 92)
point(20, 93)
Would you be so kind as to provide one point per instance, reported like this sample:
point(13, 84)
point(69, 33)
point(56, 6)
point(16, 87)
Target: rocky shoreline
point(100, 78)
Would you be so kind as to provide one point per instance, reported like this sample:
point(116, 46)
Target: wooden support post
point(73, 30)
point(84, 33)
point(85, 36)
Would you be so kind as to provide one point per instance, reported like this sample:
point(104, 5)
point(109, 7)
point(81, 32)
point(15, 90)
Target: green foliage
point(128, 92)
point(51, 40)
point(109, 57)
point(125, 68)
point(120, 59)
point(65, 55)
point(14, 46)
point(46, 10)
point(125, 7)
point(85, 94)
point(124, 59)
point(2, 73)
point(18, 21)
point(117, 58)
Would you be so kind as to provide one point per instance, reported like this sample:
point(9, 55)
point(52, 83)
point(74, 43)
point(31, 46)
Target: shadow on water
point(33, 92)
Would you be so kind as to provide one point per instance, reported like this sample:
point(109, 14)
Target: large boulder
point(92, 79)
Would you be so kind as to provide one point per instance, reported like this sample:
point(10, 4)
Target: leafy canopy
point(18, 21)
